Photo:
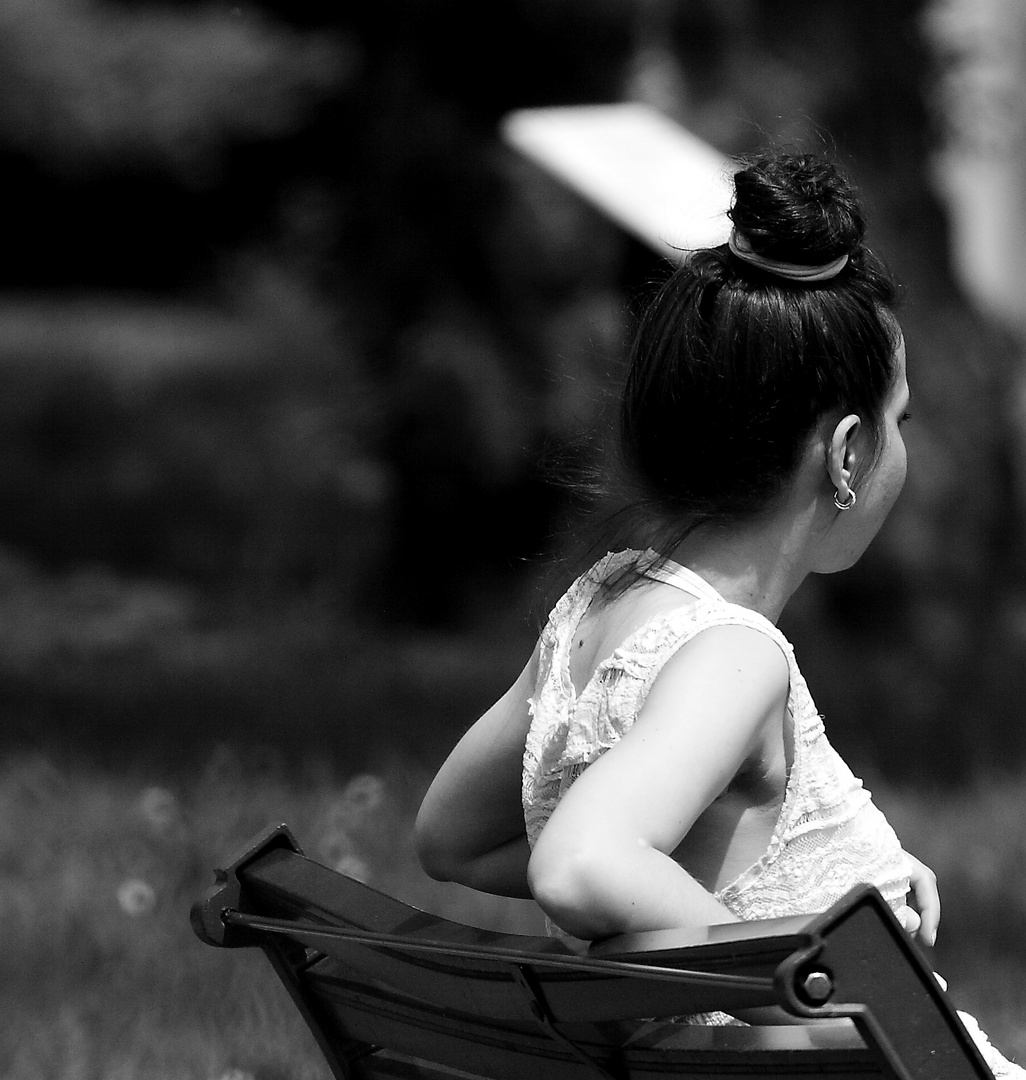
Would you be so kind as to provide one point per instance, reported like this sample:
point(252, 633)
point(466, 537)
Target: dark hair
point(732, 366)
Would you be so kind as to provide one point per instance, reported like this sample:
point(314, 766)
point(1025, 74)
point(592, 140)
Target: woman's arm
point(602, 864)
point(470, 828)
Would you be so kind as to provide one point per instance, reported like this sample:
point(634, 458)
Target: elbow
point(434, 848)
point(571, 887)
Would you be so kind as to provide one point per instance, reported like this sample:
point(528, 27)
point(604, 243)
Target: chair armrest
point(719, 934)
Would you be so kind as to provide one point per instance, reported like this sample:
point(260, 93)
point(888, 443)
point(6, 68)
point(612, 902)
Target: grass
point(100, 976)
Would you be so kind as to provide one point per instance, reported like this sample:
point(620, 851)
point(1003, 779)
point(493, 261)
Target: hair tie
point(739, 245)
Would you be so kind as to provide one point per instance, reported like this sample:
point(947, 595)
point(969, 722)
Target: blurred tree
point(219, 430)
point(134, 141)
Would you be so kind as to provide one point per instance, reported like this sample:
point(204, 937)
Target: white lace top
point(828, 837)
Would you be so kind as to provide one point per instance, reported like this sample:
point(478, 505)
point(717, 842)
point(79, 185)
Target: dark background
point(287, 336)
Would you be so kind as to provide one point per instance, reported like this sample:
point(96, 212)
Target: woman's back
point(791, 831)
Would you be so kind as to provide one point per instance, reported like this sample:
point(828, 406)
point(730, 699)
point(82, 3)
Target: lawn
point(101, 975)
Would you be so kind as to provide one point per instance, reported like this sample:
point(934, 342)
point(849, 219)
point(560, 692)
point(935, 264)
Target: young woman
point(660, 762)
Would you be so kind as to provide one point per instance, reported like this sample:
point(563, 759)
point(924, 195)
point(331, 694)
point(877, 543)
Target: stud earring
point(848, 503)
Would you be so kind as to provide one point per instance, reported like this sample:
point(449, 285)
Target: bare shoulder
point(738, 645)
point(726, 663)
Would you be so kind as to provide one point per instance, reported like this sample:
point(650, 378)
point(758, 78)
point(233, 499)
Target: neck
point(758, 565)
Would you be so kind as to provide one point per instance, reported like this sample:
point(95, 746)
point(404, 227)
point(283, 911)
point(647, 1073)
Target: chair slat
point(295, 885)
point(290, 882)
point(492, 989)
point(515, 1051)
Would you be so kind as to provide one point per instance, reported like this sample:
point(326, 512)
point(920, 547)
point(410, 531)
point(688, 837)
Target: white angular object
point(653, 177)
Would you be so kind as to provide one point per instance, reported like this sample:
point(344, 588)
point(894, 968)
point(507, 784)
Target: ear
point(841, 453)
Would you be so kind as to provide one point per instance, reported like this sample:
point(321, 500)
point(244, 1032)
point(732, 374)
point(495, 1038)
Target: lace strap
point(685, 579)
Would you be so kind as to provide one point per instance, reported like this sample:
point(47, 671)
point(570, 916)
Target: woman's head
point(734, 365)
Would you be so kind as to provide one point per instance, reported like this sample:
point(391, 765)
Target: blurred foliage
point(288, 336)
point(87, 87)
point(184, 443)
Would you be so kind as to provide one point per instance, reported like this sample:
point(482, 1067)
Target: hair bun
point(797, 208)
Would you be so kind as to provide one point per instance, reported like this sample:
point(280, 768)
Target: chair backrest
point(389, 990)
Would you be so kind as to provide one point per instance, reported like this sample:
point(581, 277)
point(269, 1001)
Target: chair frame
point(391, 991)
